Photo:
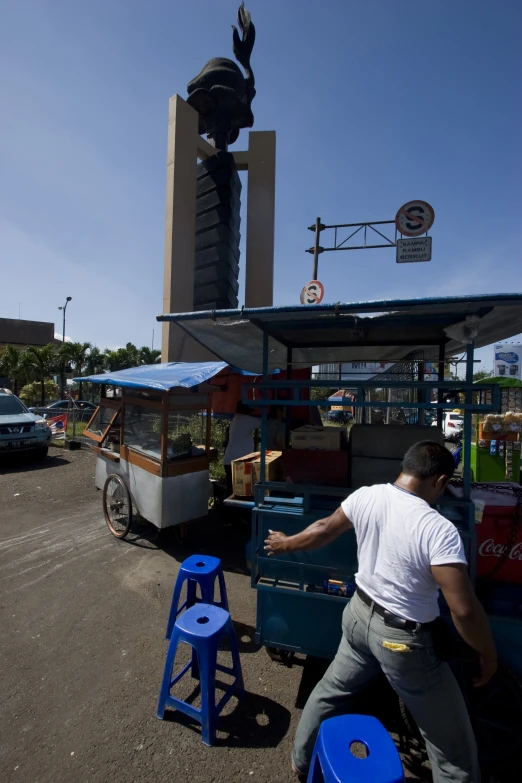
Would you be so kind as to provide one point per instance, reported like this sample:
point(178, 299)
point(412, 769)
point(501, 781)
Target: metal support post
point(316, 247)
point(287, 410)
point(440, 373)
point(466, 453)
point(421, 394)
point(264, 414)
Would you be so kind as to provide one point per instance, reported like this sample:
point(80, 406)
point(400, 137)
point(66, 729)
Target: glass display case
point(158, 444)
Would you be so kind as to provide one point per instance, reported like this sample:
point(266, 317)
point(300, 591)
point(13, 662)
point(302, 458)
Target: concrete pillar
point(184, 148)
point(180, 223)
point(259, 272)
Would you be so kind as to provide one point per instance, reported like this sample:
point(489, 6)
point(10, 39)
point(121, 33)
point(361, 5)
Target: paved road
point(82, 650)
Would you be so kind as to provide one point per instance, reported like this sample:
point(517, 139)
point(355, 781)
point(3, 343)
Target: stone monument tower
point(202, 226)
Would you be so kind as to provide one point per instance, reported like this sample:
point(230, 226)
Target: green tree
point(95, 362)
point(149, 355)
point(42, 362)
point(77, 354)
point(133, 355)
point(122, 358)
point(32, 392)
point(14, 366)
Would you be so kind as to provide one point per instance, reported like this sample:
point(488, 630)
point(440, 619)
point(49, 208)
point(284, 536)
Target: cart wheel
point(117, 506)
point(496, 715)
point(280, 656)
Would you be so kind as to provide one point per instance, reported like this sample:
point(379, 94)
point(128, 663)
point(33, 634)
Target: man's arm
point(315, 536)
point(468, 615)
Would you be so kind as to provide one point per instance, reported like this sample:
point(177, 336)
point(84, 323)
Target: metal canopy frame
point(381, 330)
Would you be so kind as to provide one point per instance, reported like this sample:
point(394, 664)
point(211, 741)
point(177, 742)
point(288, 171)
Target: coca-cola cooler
point(498, 526)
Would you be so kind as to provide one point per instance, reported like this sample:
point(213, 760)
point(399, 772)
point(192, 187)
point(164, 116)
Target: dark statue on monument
point(222, 96)
point(220, 93)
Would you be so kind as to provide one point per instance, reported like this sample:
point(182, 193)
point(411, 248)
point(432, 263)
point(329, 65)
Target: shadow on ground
point(255, 722)
point(222, 534)
point(22, 463)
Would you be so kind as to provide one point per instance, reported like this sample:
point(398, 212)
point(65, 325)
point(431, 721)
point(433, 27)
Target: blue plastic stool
point(333, 761)
point(202, 570)
point(202, 626)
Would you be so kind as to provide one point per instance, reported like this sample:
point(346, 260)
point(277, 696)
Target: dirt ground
point(82, 648)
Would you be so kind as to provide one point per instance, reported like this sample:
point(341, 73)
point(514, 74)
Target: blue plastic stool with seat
point(334, 762)
point(202, 570)
point(202, 627)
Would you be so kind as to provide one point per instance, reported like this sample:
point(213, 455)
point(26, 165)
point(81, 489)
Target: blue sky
point(374, 103)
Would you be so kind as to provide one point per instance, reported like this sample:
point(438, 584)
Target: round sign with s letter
point(312, 293)
point(414, 218)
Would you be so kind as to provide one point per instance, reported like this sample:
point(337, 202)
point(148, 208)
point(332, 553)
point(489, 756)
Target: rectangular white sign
point(363, 371)
point(412, 250)
point(508, 360)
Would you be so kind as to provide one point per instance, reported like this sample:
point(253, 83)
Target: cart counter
point(164, 501)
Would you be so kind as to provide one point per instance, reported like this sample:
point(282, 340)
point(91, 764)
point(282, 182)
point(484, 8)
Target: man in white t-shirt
point(407, 551)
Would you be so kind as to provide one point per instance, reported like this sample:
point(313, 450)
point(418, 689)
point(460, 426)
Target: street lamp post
point(64, 308)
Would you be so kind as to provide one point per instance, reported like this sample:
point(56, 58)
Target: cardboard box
point(273, 467)
point(242, 475)
point(317, 438)
point(246, 471)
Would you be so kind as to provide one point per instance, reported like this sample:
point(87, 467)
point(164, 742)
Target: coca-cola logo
point(489, 548)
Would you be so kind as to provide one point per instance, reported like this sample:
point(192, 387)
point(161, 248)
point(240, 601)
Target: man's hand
point(275, 543)
point(488, 667)
point(316, 535)
point(468, 615)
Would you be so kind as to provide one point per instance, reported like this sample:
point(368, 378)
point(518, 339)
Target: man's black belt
point(390, 619)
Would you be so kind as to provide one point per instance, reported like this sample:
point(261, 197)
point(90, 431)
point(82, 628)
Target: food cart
point(151, 434)
point(293, 612)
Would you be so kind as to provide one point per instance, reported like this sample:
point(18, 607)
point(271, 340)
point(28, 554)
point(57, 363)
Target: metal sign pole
point(316, 248)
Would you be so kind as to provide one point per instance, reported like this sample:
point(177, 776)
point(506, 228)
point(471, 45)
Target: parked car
point(452, 424)
point(21, 430)
point(62, 406)
point(339, 417)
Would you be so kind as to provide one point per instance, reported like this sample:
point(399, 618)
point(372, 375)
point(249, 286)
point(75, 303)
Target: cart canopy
point(163, 377)
point(382, 330)
point(160, 377)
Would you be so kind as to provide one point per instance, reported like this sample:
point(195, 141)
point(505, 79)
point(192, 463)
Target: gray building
point(22, 334)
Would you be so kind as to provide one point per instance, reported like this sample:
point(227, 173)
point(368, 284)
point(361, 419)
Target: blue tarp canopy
point(163, 377)
point(160, 377)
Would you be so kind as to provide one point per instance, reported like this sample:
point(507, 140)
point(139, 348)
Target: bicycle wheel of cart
point(117, 506)
point(495, 712)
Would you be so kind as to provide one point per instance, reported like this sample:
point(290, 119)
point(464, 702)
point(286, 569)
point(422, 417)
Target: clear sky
point(374, 103)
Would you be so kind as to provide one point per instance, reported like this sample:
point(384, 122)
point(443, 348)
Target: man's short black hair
point(426, 459)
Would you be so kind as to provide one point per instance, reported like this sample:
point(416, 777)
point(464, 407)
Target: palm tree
point(43, 362)
point(122, 358)
point(94, 365)
point(114, 359)
point(133, 355)
point(77, 354)
point(95, 362)
point(13, 365)
point(149, 355)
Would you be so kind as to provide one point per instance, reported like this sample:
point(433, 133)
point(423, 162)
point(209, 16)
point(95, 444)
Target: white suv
point(21, 430)
point(452, 424)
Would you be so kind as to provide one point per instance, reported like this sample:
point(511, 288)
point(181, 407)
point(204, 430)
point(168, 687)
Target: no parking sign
point(312, 293)
point(414, 218)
